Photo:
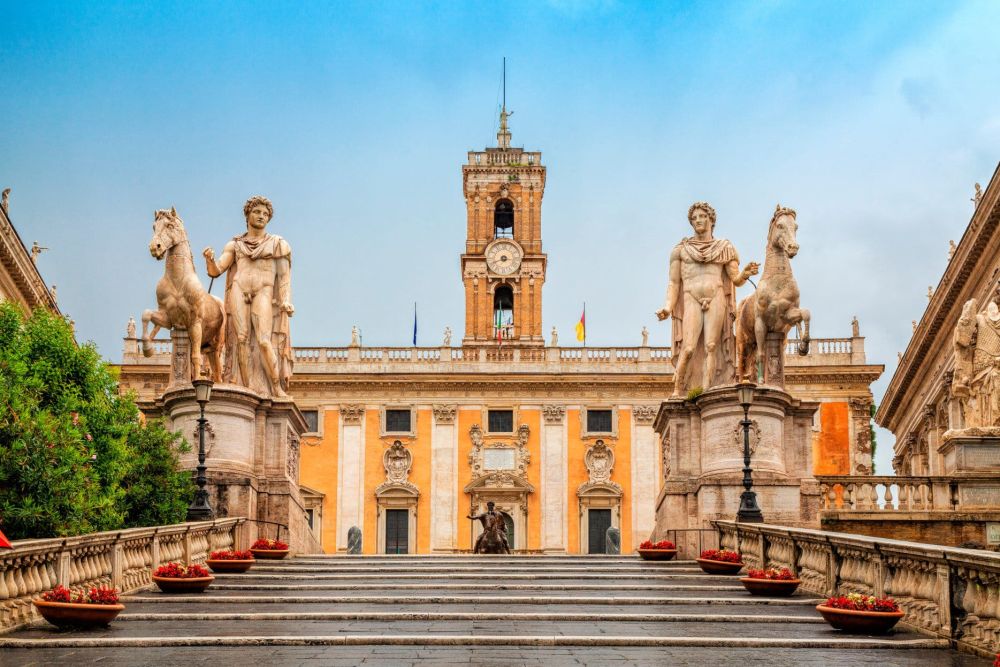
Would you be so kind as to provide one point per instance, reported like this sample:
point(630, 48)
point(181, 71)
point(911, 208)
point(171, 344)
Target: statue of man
point(494, 524)
point(258, 303)
point(130, 327)
point(555, 338)
point(645, 337)
point(701, 299)
point(447, 337)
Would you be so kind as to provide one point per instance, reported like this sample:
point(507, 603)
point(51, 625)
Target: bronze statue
point(493, 539)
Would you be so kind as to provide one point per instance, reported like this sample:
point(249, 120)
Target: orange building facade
point(406, 443)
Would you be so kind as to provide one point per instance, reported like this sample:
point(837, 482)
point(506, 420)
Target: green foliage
point(695, 393)
point(75, 456)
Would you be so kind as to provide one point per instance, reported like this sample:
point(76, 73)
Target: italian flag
point(499, 324)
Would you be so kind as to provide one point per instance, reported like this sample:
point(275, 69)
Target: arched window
point(503, 219)
point(503, 312)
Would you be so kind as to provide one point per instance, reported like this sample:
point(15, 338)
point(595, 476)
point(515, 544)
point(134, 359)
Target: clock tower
point(503, 266)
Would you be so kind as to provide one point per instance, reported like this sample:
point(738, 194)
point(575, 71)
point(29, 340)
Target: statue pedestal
point(252, 457)
point(973, 450)
point(702, 444)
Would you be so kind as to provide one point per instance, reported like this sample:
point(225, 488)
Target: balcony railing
point(872, 493)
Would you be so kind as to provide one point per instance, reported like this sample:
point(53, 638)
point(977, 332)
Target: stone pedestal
point(252, 457)
point(967, 451)
point(702, 444)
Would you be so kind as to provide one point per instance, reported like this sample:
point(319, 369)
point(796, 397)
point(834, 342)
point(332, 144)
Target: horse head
point(168, 231)
point(781, 234)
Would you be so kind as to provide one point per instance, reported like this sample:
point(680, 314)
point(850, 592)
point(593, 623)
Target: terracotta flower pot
point(863, 622)
point(229, 565)
point(719, 566)
point(269, 554)
point(657, 554)
point(778, 588)
point(183, 585)
point(76, 613)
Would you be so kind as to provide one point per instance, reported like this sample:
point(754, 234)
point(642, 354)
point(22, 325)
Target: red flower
point(858, 602)
point(269, 545)
point(996, 663)
point(784, 574)
point(178, 571)
point(231, 555)
point(723, 555)
point(100, 595)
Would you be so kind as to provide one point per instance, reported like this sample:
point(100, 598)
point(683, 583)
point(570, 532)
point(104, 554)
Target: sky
point(872, 120)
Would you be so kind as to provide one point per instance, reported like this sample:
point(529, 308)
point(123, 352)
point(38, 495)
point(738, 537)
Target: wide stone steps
point(502, 610)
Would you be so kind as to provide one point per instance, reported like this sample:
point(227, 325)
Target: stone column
point(554, 476)
point(645, 472)
point(444, 480)
point(351, 472)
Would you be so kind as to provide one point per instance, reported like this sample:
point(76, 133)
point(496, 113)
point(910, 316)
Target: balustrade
point(946, 592)
point(872, 493)
point(124, 559)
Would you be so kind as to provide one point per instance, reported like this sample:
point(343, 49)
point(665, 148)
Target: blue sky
point(873, 120)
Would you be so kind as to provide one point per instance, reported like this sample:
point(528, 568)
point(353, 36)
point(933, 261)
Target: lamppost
point(749, 511)
point(200, 510)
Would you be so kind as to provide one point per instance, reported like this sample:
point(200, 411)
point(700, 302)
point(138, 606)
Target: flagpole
point(585, 324)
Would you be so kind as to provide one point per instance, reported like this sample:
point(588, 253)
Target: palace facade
point(405, 443)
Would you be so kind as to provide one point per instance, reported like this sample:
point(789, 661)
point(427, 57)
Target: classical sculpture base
point(702, 442)
point(973, 450)
point(252, 456)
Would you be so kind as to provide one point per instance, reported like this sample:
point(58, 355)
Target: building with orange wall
point(406, 443)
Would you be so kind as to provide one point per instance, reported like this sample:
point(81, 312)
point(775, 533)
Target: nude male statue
point(701, 299)
point(258, 301)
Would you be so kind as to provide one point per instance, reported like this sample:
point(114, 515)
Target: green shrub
point(75, 456)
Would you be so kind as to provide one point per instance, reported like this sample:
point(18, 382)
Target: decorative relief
point(498, 458)
point(754, 436)
point(444, 414)
point(665, 453)
point(293, 456)
point(397, 461)
point(352, 414)
point(600, 461)
point(209, 437)
point(554, 414)
point(862, 454)
point(644, 414)
point(976, 380)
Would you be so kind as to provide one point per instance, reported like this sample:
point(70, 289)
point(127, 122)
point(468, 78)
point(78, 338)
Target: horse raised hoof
point(803, 347)
point(147, 348)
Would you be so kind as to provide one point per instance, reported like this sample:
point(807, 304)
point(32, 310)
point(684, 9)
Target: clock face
point(503, 257)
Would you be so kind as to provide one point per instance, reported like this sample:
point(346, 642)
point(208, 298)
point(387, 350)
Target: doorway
point(598, 522)
point(397, 529)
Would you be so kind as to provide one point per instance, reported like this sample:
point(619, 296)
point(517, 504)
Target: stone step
point(223, 597)
point(483, 587)
point(432, 577)
point(368, 615)
point(487, 638)
point(398, 569)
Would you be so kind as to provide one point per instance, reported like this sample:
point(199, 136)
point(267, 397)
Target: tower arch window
point(503, 219)
point(503, 312)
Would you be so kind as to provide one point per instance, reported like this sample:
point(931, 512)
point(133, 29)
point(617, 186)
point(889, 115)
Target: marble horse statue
point(493, 539)
point(181, 300)
point(774, 305)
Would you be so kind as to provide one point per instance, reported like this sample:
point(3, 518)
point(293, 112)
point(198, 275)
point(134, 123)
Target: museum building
point(405, 443)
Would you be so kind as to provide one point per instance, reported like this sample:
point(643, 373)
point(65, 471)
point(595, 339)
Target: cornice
point(968, 256)
point(16, 260)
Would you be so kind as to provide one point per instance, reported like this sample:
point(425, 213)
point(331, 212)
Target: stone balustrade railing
point(945, 591)
point(873, 493)
point(124, 559)
point(446, 359)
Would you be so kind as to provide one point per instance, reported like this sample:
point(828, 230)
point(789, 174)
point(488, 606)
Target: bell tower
point(503, 266)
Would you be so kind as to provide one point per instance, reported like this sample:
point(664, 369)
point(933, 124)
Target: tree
point(75, 455)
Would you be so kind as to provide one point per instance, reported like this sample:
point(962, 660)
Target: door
point(397, 528)
point(508, 522)
point(598, 522)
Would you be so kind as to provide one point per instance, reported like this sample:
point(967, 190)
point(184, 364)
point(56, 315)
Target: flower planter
point(77, 614)
point(863, 622)
point(778, 588)
point(183, 584)
point(229, 565)
point(657, 554)
point(269, 554)
point(719, 566)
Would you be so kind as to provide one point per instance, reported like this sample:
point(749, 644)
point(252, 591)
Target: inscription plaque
point(993, 533)
point(502, 458)
point(979, 496)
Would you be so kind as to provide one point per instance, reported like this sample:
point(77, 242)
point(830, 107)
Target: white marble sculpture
point(555, 338)
point(355, 337)
point(447, 337)
point(130, 327)
point(701, 300)
point(645, 337)
point(181, 299)
point(258, 303)
point(774, 305)
point(976, 381)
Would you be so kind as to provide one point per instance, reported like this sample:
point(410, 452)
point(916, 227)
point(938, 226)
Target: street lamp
point(749, 511)
point(200, 510)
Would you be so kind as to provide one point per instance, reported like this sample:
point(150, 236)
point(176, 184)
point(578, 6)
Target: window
point(397, 421)
point(599, 421)
point(503, 313)
point(500, 421)
point(503, 219)
point(312, 420)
